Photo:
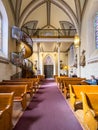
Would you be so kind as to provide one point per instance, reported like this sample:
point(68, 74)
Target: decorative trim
point(84, 8)
point(63, 23)
point(4, 60)
point(49, 26)
point(12, 8)
point(90, 62)
point(48, 12)
point(24, 14)
point(93, 61)
point(78, 13)
point(17, 10)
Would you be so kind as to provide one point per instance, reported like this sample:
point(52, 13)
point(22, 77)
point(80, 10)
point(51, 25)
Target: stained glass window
point(0, 31)
point(96, 30)
point(48, 60)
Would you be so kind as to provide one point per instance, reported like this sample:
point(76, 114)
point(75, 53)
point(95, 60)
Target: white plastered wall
point(88, 40)
point(7, 70)
point(53, 55)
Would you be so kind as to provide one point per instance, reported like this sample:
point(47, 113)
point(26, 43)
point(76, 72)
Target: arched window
point(96, 30)
point(0, 32)
point(3, 31)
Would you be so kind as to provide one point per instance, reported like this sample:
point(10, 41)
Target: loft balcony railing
point(50, 32)
point(20, 35)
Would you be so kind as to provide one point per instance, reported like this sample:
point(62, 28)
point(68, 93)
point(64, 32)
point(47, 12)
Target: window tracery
point(0, 31)
point(96, 30)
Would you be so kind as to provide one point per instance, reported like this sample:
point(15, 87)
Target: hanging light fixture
point(76, 41)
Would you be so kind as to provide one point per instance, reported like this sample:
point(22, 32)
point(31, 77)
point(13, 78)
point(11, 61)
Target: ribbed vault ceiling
point(51, 14)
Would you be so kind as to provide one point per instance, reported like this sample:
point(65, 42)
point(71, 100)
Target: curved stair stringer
point(25, 50)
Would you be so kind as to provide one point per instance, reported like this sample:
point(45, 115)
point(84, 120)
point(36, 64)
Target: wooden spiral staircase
point(20, 58)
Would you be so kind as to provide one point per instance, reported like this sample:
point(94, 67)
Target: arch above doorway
point(48, 66)
point(48, 60)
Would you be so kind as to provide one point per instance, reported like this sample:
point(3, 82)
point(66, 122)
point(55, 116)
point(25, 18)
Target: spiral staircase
point(20, 58)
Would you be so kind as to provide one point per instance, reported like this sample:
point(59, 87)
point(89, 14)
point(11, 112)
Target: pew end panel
point(6, 106)
point(90, 109)
point(12, 82)
point(72, 97)
point(19, 93)
point(75, 91)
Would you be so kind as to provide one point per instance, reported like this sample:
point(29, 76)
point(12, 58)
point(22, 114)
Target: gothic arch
point(48, 60)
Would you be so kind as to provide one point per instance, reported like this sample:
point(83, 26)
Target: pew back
point(72, 81)
point(19, 92)
point(90, 109)
point(75, 91)
point(6, 104)
point(29, 85)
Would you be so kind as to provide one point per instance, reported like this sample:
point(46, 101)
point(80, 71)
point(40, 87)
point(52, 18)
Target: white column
point(59, 59)
point(78, 62)
point(55, 57)
point(38, 63)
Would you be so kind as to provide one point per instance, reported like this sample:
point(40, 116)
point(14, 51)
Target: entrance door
point(48, 71)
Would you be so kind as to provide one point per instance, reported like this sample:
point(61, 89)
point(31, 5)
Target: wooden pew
point(90, 110)
point(35, 81)
point(41, 77)
point(72, 81)
point(59, 80)
point(75, 91)
point(29, 85)
point(19, 93)
point(6, 105)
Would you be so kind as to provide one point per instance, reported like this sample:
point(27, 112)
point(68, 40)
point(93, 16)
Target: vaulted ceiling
point(49, 14)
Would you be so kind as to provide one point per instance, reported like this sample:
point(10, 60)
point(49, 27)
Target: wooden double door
point(48, 71)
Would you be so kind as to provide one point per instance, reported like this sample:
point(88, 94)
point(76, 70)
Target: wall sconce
point(76, 41)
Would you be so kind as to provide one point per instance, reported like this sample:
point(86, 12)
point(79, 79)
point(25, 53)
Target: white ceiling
point(49, 14)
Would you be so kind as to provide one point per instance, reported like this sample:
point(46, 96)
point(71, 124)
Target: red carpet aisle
point(48, 110)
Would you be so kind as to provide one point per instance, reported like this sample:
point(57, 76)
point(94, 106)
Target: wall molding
point(4, 60)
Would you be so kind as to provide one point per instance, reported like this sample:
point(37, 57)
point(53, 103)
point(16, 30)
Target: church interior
point(48, 59)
